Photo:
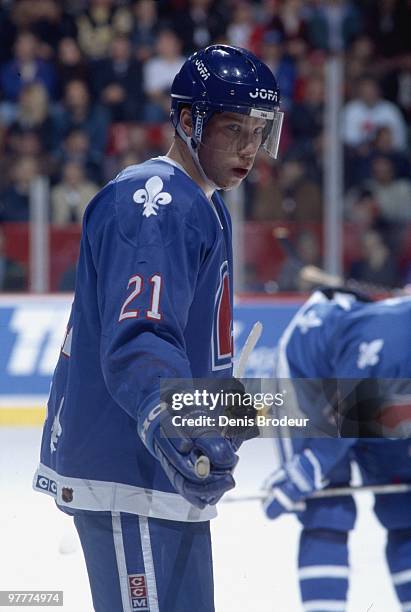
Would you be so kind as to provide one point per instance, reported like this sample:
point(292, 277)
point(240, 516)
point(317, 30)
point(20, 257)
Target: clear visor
point(241, 134)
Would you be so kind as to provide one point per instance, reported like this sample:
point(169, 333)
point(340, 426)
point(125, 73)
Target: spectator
point(396, 84)
point(288, 20)
point(293, 20)
point(240, 28)
point(307, 117)
point(145, 29)
point(384, 145)
point(76, 148)
point(358, 162)
point(98, 24)
point(392, 194)
point(26, 143)
point(70, 63)
point(7, 34)
point(263, 194)
point(359, 60)
point(199, 24)
point(159, 72)
point(332, 24)
point(299, 198)
point(80, 114)
point(12, 273)
point(117, 82)
point(364, 115)
point(50, 23)
point(377, 265)
point(302, 199)
point(388, 24)
point(272, 53)
point(70, 197)
point(364, 214)
point(14, 201)
point(307, 253)
point(26, 68)
point(35, 115)
point(363, 210)
point(268, 19)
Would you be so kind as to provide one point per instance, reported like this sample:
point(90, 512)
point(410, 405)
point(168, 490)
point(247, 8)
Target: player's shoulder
point(309, 340)
point(150, 203)
point(156, 186)
point(390, 317)
point(320, 311)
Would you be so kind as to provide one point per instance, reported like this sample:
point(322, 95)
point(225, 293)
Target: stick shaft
point(385, 489)
point(318, 276)
point(202, 465)
point(253, 338)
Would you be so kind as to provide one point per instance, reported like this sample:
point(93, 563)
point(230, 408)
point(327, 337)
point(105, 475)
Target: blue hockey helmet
point(222, 78)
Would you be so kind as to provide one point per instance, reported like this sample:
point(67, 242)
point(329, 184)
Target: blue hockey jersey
point(153, 300)
point(343, 338)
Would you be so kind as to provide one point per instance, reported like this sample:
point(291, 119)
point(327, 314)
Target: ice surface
point(254, 559)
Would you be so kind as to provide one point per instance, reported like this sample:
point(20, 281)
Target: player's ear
point(186, 121)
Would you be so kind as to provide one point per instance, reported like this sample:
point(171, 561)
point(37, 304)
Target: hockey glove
point(288, 487)
point(177, 448)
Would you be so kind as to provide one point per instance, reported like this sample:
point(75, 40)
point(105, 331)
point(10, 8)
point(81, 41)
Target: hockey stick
point(253, 338)
point(202, 464)
point(386, 489)
point(317, 276)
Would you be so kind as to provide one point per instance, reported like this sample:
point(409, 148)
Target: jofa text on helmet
point(264, 94)
point(202, 69)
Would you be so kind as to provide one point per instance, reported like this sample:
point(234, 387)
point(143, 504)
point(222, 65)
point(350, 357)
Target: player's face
point(229, 145)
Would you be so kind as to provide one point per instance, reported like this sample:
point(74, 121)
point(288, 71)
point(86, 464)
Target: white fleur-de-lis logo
point(56, 429)
point(152, 196)
point(308, 320)
point(368, 353)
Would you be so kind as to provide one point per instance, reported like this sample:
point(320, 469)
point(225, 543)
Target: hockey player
point(337, 336)
point(153, 301)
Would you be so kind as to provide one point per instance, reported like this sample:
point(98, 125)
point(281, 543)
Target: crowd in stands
point(84, 91)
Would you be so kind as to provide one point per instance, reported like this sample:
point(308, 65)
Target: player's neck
point(180, 154)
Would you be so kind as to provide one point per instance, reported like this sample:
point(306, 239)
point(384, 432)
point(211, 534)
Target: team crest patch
point(368, 353)
point(152, 196)
point(137, 587)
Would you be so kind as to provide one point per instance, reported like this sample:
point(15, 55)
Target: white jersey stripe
point(318, 475)
point(121, 560)
point(401, 577)
point(323, 571)
point(148, 564)
point(324, 605)
point(117, 497)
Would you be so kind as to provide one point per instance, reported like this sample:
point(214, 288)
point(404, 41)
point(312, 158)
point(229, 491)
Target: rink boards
point(32, 329)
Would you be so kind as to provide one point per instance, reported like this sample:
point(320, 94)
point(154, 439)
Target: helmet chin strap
point(194, 154)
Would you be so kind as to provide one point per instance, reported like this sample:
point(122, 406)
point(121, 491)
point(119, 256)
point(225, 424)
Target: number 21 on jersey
point(136, 283)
